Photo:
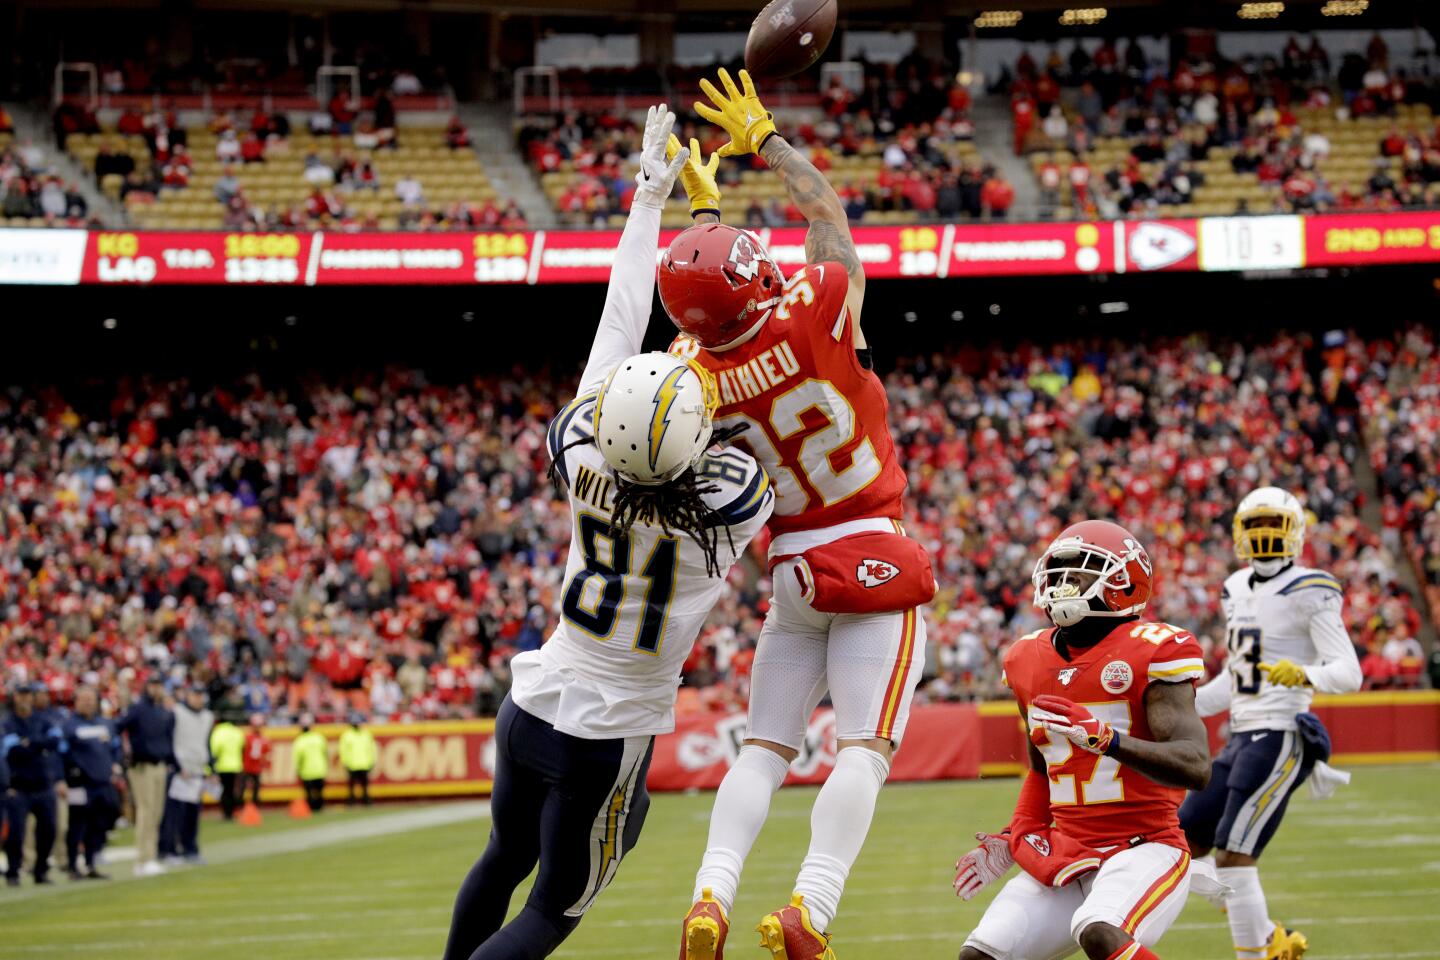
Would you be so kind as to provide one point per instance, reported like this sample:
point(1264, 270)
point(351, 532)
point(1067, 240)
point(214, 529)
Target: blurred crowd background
point(1095, 127)
point(385, 543)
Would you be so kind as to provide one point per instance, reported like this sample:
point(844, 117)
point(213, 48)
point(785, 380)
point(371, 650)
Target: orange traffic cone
point(250, 815)
point(299, 809)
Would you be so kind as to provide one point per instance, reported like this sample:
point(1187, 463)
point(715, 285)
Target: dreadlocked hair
point(675, 506)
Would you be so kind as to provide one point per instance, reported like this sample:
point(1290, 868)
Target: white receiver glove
point(656, 179)
point(984, 865)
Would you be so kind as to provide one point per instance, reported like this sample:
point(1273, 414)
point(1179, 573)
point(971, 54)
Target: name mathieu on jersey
point(818, 421)
point(632, 604)
point(1094, 799)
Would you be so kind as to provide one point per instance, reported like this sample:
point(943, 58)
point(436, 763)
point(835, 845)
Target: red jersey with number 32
point(818, 421)
point(1095, 799)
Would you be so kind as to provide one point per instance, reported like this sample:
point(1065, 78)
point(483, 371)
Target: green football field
point(1359, 873)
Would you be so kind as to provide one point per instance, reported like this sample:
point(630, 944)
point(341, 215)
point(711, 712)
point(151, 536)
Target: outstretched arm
point(752, 130)
point(632, 278)
point(829, 235)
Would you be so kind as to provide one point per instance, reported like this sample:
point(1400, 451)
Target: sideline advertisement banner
point(942, 742)
point(442, 758)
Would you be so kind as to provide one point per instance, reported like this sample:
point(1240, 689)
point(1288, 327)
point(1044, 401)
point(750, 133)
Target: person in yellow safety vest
point(312, 763)
point(227, 753)
point(358, 754)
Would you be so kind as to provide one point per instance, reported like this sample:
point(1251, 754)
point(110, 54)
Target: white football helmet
point(1269, 529)
point(653, 417)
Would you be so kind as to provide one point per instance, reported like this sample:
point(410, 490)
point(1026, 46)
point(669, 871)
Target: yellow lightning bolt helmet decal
point(666, 395)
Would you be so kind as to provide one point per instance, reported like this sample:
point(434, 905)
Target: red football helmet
point(717, 283)
point(1092, 559)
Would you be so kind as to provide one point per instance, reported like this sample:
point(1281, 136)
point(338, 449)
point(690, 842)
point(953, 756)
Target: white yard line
point(291, 841)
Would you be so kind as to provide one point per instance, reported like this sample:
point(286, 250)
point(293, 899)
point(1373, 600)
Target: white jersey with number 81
point(631, 604)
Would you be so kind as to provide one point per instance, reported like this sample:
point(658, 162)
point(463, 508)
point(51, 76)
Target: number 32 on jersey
point(787, 419)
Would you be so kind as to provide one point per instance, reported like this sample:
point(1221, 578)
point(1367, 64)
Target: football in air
point(789, 36)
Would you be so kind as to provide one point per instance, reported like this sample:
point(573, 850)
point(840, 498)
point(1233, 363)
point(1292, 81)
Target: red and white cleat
point(703, 935)
point(788, 934)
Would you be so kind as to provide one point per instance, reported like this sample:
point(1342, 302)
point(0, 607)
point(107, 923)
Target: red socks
point(1133, 951)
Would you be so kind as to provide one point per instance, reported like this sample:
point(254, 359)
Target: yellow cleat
point(1286, 945)
point(789, 935)
point(703, 935)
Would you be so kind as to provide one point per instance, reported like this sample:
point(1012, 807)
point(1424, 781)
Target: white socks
point(839, 822)
point(1250, 925)
point(741, 806)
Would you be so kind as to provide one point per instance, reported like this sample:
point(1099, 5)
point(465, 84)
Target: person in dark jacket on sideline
point(55, 715)
point(29, 742)
point(91, 750)
point(149, 729)
point(4, 790)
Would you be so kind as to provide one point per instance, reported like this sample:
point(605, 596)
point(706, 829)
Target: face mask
point(1268, 568)
point(1067, 613)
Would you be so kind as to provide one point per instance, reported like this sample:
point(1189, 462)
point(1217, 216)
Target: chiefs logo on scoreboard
point(1155, 246)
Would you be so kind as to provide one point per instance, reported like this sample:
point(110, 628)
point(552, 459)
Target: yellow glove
point(698, 179)
point(1285, 673)
point(741, 115)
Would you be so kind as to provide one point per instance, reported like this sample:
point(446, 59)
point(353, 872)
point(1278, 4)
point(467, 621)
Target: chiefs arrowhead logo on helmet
point(1041, 845)
point(872, 573)
point(718, 284)
point(744, 259)
point(1134, 551)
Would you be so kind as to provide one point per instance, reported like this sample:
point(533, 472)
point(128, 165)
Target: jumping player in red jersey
point(791, 365)
point(1116, 741)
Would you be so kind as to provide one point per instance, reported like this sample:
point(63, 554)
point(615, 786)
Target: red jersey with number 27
point(818, 421)
point(1095, 799)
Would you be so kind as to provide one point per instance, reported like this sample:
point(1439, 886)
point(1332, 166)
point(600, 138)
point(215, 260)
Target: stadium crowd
point(1269, 115)
point(121, 69)
point(347, 164)
point(386, 544)
point(1402, 404)
point(905, 127)
point(1005, 448)
point(31, 191)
